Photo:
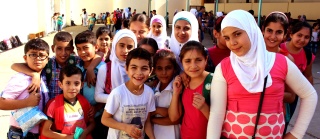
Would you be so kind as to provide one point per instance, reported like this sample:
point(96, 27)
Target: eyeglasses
point(35, 56)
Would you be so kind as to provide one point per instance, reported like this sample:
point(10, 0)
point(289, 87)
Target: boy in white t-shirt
point(128, 107)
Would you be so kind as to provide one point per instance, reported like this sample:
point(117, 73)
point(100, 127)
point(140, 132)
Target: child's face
point(237, 40)
point(301, 38)
point(182, 31)
point(156, 28)
point(164, 70)
point(221, 42)
point(139, 29)
point(123, 47)
point(71, 86)
point(104, 42)
point(138, 71)
point(36, 59)
point(62, 51)
point(273, 34)
point(148, 48)
point(194, 63)
point(86, 51)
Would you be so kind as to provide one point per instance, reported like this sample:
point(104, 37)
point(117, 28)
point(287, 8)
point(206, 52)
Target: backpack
point(7, 43)
point(48, 68)
point(108, 85)
point(207, 88)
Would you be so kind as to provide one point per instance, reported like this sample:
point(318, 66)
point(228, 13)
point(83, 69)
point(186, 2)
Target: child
point(127, 111)
point(185, 28)
point(68, 110)
point(315, 38)
point(92, 21)
point(166, 68)
point(59, 22)
point(63, 48)
point(86, 49)
point(104, 38)
point(108, 23)
point(139, 26)
point(159, 31)
point(196, 107)
point(235, 96)
point(16, 96)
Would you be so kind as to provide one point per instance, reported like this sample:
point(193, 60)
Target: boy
point(70, 109)
point(92, 21)
point(63, 48)
point(127, 111)
point(16, 95)
point(86, 49)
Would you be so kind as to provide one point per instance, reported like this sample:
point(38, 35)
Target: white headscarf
point(161, 39)
point(126, 13)
point(253, 67)
point(194, 11)
point(174, 45)
point(118, 72)
point(218, 14)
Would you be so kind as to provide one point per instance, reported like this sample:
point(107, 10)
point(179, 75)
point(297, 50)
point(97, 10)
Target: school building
point(25, 17)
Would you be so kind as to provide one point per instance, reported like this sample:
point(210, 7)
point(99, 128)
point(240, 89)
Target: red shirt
point(194, 123)
point(217, 55)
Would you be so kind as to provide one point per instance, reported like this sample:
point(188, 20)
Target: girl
point(185, 28)
point(251, 69)
point(166, 68)
point(152, 47)
point(139, 26)
point(315, 38)
point(108, 20)
point(123, 42)
point(159, 31)
point(104, 37)
point(196, 107)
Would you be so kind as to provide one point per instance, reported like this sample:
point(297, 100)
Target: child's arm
point(200, 104)
point(132, 130)
point(12, 104)
point(46, 131)
point(161, 111)
point(23, 68)
point(163, 121)
point(175, 108)
point(89, 128)
point(148, 128)
point(91, 77)
point(99, 94)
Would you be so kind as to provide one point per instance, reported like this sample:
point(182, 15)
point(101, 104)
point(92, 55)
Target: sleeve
point(50, 110)
point(308, 98)
point(99, 94)
point(151, 103)
point(218, 97)
point(16, 85)
point(113, 101)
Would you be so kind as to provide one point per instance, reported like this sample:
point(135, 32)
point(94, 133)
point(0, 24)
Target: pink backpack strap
point(107, 88)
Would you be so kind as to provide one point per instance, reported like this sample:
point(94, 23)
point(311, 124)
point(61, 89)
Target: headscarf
point(255, 65)
point(118, 72)
point(194, 11)
point(126, 13)
point(174, 45)
point(161, 39)
point(219, 14)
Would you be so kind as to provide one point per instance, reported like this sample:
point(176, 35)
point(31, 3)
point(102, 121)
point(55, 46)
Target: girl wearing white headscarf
point(194, 11)
point(183, 31)
point(162, 37)
point(239, 79)
point(118, 72)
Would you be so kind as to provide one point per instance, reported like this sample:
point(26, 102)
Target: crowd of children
point(140, 83)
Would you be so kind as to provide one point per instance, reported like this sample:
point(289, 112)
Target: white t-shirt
point(163, 99)
point(129, 108)
point(99, 94)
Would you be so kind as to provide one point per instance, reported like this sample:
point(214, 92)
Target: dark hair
point(298, 26)
point(193, 45)
point(277, 17)
point(202, 7)
point(251, 12)
point(102, 30)
point(166, 54)
point(144, 12)
point(139, 53)
point(85, 37)
point(36, 44)
point(63, 37)
point(140, 18)
point(217, 26)
point(125, 23)
point(68, 71)
point(314, 25)
point(149, 41)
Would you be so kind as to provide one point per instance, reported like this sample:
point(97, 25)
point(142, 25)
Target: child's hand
point(91, 78)
point(35, 83)
point(133, 131)
point(185, 79)
point(177, 86)
point(33, 99)
point(198, 101)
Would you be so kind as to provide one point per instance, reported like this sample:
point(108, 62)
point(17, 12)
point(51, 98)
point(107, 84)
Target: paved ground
point(15, 56)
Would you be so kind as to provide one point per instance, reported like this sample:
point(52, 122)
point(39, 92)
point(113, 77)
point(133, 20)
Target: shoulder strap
point(48, 71)
point(85, 105)
point(59, 112)
point(210, 67)
point(108, 87)
point(308, 54)
point(260, 107)
point(207, 88)
point(72, 60)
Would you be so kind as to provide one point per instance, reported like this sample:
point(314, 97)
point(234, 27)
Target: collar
point(168, 88)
